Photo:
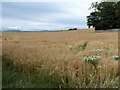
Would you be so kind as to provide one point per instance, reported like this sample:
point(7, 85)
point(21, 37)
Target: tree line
point(73, 29)
point(106, 15)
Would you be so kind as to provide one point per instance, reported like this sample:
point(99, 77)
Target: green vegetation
point(0, 72)
point(84, 46)
point(14, 79)
point(78, 48)
point(16, 42)
point(73, 29)
point(44, 41)
point(93, 60)
point(58, 31)
point(106, 15)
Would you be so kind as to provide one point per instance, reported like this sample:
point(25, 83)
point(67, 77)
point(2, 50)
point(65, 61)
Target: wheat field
point(65, 56)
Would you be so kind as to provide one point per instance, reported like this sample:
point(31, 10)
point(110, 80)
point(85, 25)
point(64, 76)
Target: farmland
point(74, 59)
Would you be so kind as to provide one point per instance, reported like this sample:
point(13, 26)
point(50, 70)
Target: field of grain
point(80, 58)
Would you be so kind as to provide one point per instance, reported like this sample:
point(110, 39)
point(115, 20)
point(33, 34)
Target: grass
point(56, 59)
point(14, 79)
point(84, 46)
point(0, 73)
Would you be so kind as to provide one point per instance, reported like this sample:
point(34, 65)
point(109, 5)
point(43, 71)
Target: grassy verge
point(13, 79)
point(0, 72)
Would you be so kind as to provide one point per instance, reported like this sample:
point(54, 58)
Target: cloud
point(14, 28)
point(45, 0)
point(42, 23)
point(46, 15)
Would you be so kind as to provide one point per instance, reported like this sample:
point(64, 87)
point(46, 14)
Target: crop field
point(74, 59)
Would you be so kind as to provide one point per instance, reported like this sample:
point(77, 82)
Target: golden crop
point(61, 55)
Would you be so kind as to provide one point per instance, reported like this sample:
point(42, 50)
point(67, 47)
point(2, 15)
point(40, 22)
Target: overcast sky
point(45, 15)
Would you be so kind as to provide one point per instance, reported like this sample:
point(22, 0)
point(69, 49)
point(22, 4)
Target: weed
point(93, 60)
point(17, 42)
point(44, 40)
point(116, 57)
point(98, 50)
point(84, 46)
point(70, 47)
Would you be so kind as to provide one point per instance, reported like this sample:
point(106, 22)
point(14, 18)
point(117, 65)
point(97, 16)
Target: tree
point(117, 14)
point(106, 15)
point(73, 29)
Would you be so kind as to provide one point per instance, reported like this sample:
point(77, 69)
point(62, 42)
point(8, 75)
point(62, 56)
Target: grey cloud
point(44, 12)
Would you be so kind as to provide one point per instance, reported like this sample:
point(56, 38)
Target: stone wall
point(109, 30)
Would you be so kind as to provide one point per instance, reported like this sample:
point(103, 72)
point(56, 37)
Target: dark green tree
point(117, 14)
point(73, 29)
point(106, 15)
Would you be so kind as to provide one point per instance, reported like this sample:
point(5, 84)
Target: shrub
point(92, 60)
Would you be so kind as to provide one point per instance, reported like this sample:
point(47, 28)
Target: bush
point(73, 29)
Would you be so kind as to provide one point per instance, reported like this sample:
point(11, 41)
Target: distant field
point(88, 29)
point(79, 58)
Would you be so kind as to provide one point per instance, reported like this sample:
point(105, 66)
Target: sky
point(45, 15)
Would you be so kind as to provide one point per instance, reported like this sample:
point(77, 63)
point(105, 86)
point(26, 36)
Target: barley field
point(74, 59)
